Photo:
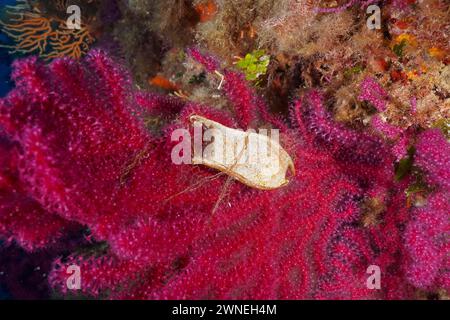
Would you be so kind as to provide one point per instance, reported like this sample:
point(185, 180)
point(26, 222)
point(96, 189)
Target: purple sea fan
point(433, 156)
point(393, 133)
point(426, 236)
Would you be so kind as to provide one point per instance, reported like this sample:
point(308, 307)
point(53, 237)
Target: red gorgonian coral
point(75, 152)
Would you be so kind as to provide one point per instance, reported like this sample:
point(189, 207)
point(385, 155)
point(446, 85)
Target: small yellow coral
point(437, 53)
point(412, 74)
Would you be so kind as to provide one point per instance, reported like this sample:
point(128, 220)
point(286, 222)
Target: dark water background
point(5, 86)
point(5, 57)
